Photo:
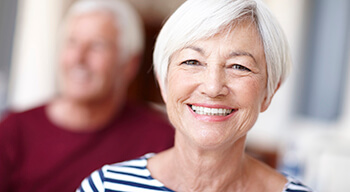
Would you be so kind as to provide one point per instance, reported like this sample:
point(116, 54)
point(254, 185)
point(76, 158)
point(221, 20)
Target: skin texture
point(93, 80)
point(225, 71)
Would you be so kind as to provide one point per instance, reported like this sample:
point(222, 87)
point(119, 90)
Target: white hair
point(198, 19)
point(126, 19)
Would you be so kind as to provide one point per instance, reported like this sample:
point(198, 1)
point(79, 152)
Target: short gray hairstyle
point(199, 19)
point(127, 21)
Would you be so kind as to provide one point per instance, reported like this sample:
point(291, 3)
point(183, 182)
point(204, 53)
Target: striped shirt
point(133, 175)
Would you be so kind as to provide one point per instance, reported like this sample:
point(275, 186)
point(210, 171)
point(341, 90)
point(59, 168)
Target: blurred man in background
point(90, 123)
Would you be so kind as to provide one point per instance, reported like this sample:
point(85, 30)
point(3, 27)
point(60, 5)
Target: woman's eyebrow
point(197, 49)
point(241, 53)
point(232, 54)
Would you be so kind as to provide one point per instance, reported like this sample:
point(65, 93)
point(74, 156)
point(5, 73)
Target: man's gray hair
point(127, 22)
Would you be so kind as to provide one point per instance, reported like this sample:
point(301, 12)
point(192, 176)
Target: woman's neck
point(206, 170)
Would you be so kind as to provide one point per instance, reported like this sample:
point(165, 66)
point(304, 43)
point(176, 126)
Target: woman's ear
point(267, 100)
point(162, 89)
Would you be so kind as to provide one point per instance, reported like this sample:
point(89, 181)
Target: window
point(326, 60)
point(8, 13)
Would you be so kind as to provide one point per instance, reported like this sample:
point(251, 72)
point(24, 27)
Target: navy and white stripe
point(294, 185)
point(133, 175)
point(130, 175)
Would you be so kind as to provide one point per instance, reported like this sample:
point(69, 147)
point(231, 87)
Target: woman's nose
point(214, 82)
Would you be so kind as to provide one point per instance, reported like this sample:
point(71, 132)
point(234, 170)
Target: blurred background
point(306, 130)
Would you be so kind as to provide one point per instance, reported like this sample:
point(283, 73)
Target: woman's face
point(216, 87)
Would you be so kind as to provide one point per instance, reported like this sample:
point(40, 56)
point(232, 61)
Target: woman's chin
point(209, 140)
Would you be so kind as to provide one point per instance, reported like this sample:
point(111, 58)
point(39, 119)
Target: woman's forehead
point(243, 36)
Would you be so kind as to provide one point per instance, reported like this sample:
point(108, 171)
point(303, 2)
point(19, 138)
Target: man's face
point(90, 67)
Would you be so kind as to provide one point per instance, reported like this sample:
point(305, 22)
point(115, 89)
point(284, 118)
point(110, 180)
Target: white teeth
point(210, 111)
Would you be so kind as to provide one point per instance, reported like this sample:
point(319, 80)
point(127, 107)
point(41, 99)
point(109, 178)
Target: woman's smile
point(209, 113)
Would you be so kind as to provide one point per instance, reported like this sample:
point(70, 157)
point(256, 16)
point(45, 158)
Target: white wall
point(34, 54)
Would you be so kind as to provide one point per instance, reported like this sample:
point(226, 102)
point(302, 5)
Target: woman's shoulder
point(131, 175)
point(134, 166)
point(140, 162)
point(274, 180)
point(294, 185)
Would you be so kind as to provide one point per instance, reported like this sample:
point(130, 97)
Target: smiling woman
point(218, 63)
point(219, 80)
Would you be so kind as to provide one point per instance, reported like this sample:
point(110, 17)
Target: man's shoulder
point(147, 120)
point(15, 118)
point(147, 112)
point(27, 112)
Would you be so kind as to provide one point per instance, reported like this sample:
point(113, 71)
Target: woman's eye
point(191, 62)
point(240, 67)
